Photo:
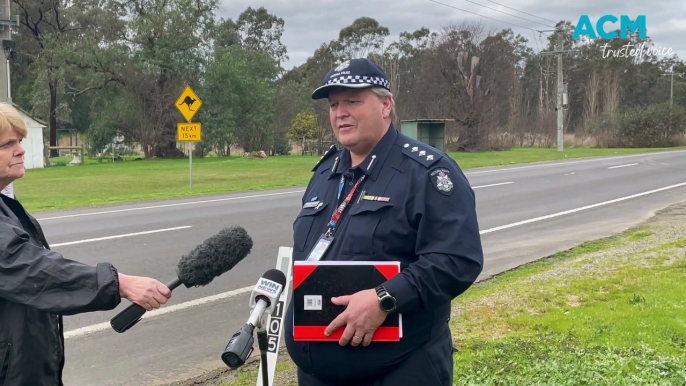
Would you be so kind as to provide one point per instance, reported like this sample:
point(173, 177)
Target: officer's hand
point(361, 317)
point(144, 291)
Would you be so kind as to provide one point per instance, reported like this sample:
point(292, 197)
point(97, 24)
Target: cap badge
point(342, 66)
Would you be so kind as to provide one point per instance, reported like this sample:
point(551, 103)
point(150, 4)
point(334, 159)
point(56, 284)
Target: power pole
point(671, 87)
point(6, 24)
point(560, 87)
point(671, 90)
point(560, 81)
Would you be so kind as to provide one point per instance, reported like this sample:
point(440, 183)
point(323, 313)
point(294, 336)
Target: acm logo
point(585, 28)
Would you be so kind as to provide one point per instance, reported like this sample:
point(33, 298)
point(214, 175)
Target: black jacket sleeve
point(43, 279)
point(448, 246)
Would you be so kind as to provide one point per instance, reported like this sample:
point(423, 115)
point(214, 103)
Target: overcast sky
point(309, 23)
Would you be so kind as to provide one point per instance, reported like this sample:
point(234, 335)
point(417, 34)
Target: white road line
point(160, 311)
point(582, 208)
point(622, 166)
point(118, 236)
point(169, 205)
point(225, 295)
point(488, 186)
point(562, 163)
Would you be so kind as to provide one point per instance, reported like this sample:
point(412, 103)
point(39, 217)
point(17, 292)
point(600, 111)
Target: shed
point(34, 143)
point(428, 131)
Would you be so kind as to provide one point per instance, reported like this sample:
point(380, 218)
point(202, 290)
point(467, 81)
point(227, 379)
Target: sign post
point(188, 105)
point(275, 320)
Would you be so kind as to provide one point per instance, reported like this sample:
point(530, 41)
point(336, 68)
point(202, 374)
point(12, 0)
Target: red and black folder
point(316, 282)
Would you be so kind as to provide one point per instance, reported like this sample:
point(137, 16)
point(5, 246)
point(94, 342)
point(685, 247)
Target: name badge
point(312, 204)
point(320, 248)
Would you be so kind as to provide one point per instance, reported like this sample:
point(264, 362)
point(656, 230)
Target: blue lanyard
point(340, 189)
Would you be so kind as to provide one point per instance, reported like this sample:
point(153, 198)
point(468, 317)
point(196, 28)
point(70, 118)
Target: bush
point(654, 126)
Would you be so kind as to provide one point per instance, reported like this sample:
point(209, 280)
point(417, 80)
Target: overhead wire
point(509, 14)
point(487, 17)
point(502, 5)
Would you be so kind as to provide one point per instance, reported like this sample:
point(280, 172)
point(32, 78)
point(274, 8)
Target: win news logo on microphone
point(268, 287)
point(267, 290)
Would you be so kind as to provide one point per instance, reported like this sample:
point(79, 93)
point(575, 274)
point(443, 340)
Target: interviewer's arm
point(450, 255)
point(44, 279)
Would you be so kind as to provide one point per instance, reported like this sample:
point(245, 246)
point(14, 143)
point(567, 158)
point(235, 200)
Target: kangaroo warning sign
point(188, 104)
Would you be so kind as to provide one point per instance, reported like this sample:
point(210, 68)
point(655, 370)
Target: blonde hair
point(11, 119)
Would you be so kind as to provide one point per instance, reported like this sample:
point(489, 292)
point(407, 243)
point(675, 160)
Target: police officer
point(406, 202)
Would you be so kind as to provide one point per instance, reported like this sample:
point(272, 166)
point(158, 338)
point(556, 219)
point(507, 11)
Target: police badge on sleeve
point(440, 179)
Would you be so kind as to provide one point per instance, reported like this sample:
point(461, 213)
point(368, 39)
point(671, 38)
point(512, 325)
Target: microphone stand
point(263, 343)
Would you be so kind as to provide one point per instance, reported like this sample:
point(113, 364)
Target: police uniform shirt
point(420, 210)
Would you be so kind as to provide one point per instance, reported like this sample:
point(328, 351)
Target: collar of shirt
point(372, 165)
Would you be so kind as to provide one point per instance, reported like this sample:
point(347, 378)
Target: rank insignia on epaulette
point(426, 157)
point(326, 155)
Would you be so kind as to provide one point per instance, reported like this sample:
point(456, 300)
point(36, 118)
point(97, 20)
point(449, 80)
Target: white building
point(34, 143)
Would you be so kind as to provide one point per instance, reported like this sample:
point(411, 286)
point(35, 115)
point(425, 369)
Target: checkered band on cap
point(359, 79)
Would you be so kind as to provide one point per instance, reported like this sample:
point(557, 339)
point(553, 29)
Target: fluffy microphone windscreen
point(216, 255)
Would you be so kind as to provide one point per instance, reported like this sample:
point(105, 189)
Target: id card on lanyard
point(326, 238)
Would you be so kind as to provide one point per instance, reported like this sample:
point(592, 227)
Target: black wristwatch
point(387, 302)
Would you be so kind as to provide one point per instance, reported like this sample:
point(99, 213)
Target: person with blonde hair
point(39, 286)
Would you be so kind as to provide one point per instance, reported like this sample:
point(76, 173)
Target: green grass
point(96, 184)
point(608, 312)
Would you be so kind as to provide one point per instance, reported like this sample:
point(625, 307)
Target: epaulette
point(422, 153)
point(332, 150)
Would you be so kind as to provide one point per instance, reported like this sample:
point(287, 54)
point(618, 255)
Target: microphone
point(263, 300)
point(216, 255)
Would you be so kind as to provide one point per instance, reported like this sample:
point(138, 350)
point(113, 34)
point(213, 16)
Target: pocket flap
point(369, 206)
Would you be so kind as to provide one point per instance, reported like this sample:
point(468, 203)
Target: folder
point(316, 282)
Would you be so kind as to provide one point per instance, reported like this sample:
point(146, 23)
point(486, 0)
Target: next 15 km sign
point(188, 105)
point(190, 132)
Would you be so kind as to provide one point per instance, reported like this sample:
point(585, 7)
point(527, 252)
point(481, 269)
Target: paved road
point(525, 213)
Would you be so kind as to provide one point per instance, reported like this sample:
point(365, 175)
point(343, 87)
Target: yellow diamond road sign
point(188, 103)
point(190, 132)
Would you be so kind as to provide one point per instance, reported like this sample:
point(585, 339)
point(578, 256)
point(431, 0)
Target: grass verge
point(95, 184)
point(608, 312)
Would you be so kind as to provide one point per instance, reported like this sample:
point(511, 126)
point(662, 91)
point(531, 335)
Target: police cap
point(354, 73)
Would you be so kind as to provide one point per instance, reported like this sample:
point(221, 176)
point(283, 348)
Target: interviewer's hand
point(144, 291)
point(361, 317)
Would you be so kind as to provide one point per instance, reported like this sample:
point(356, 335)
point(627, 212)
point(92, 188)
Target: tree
point(158, 50)
point(304, 127)
point(261, 32)
point(363, 37)
point(291, 98)
point(55, 37)
point(239, 99)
